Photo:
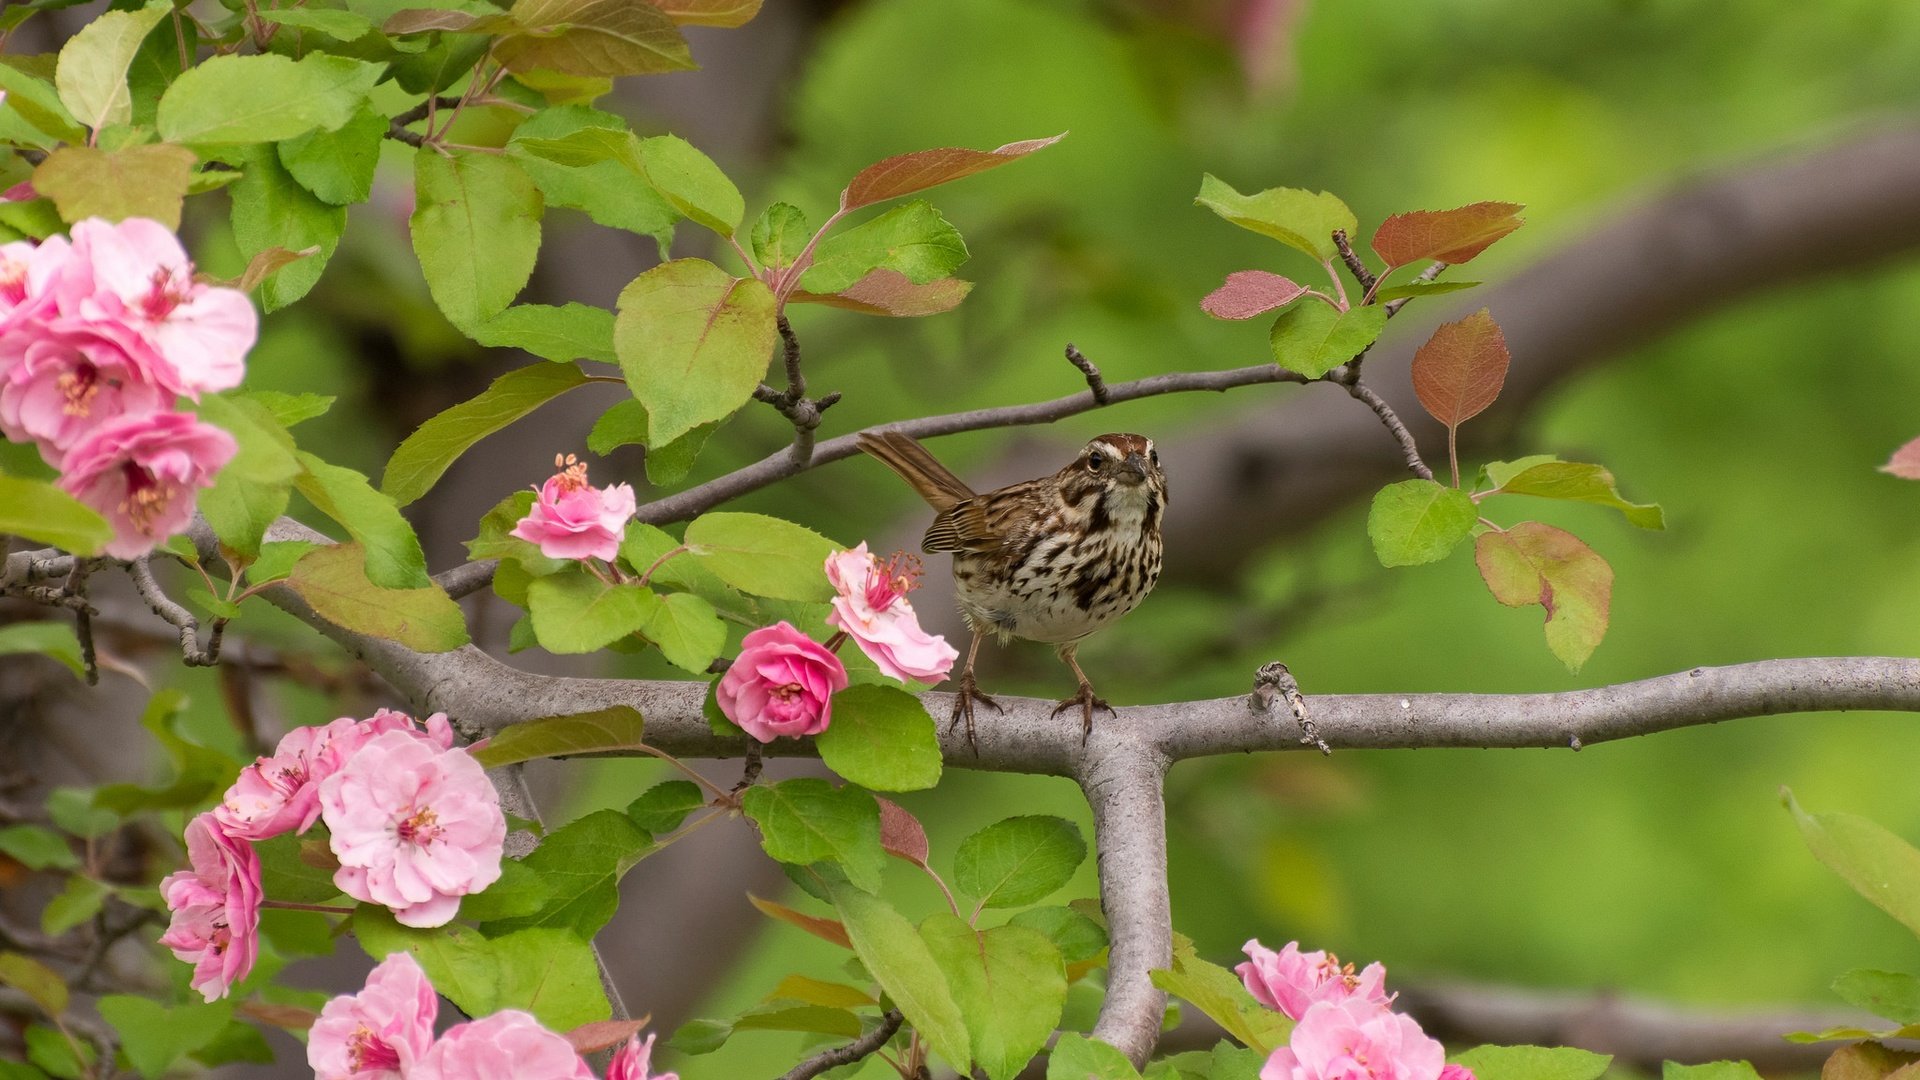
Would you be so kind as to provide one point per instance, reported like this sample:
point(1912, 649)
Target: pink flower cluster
point(413, 822)
point(1345, 1027)
point(572, 519)
point(99, 337)
point(385, 1032)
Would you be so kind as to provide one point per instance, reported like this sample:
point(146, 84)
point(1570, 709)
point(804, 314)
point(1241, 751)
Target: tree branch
point(851, 1052)
point(1124, 784)
point(141, 571)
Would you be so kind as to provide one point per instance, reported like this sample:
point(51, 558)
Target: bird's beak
point(1135, 468)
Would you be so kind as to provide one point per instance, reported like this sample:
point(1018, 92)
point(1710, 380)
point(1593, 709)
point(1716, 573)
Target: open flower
point(415, 827)
point(508, 1044)
point(872, 608)
point(57, 386)
point(572, 519)
point(281, 793)
point(216, 908)
point(1356, 1039)
point(632, 1061)
point(1292, 981)
point(380, 1032)
point(782, 683)
point(141, 473)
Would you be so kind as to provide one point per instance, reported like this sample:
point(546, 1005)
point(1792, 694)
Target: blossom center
point(147, 497)
point(422, 828)
point(79, 387)
point(573, 473)
point(367, 1051)
point(164, 293)
point(787, 692)
point(892, 580)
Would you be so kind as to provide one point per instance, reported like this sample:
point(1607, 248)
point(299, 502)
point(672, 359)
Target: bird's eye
point(1095, 459)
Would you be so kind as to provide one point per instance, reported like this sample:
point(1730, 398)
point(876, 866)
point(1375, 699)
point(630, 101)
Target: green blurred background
point(1662, 866)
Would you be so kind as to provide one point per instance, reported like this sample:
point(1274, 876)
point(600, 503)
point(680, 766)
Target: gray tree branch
point(1123, 780)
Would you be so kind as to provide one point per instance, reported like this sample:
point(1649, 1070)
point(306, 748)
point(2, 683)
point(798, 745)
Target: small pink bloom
point(572, 519)
point(1292, 981)
point(1456, 1072)
point(782, 683)
point(59, 385)
point(380, 1032)
point(632, 1061)
point(22, 191)
point(415, 827)
point(282, 793)
point(1355, 1039)
point(141, 473)
point(216, 908)
point(28, 272)
point(872, 608)
point(509, 1045)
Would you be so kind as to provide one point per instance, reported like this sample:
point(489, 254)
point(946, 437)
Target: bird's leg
point(1085, 698)
point(966, 692)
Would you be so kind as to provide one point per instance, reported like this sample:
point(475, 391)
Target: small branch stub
point(1274, 680)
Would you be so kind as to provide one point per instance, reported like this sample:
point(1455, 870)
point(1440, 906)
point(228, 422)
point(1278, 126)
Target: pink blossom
point(1456, 1072)
point(509, 1045)
point(281, 793)
point(872, 608)
point(216, 908)
point(572, 519)
point(415, 827)
point(632, 1061)
point(782, 683)
point(1355, 1039)
point(59, 385)
point(380, 1032)
point(1292, 981)
point(141, 473)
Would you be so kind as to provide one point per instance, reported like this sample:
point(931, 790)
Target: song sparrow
point(1052, 559)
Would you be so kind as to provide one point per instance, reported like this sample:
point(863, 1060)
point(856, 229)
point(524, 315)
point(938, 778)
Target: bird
point(1053, 559)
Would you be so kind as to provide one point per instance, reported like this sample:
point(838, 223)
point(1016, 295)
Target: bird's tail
point(934, 481)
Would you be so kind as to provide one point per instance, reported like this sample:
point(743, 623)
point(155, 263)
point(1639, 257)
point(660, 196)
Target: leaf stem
point(685, 770)
point(647, 574)
point(289, 905)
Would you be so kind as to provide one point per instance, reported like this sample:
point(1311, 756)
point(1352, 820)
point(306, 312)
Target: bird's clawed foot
point(1087, 702)
point(965, 693)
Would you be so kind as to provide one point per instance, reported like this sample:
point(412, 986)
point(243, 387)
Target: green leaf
point(77, 902)
point(547, 972)
point(1574, 482)
point(593, 39)
point(521, 890)
point(1713, 1070)
point(132, 181)
point(661, 808)
point(604, 186)
point(575, 612)
point(39, 512)
point(290, 409)
point(1879, 865)
point(568, 332)
point(617, 728)
point(692, 183)
point(53, 1052)
point(898, 958)
point(36, 980)
point(1019, 860)
point(1419, 521)
point(706, 1036)
point(334, 582)
point(423, 458)
point(271, 210)
point(394, 558)
point(1219, 994)
point(912, 240)
point(497, 542)
point(1313, 339)
point(808, 820)
point(476, 231)
point(72, 809)
point(276, 560)
point(264, 98)
point(92, 76)
point(1421, 288)
point(693, 342)
point(289, 872)
point(1009, 984)
point(251, 493)
point(199, 774)
point(688, 631)
point(1892, 994)
point(779, 234)
point(581, 864)
point(54, 640)
point(35, 101)
point(337, 166)
point(1532, 563)
point(881, 738)
point(458, 960)
point(1300, 219)
point(155, 1037)
point(339, 25)
point(1078, 938)
point(764, 556)
point(1533, 1063)
point(1077, 1057)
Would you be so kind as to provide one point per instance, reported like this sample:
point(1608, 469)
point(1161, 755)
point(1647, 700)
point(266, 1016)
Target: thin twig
point(1427, 275)
point(1101, 395)
point(141, 571)
point(793, 402)
point(1399, 430)
point(397, 127)
point(851, 1052)
point(1355, 265)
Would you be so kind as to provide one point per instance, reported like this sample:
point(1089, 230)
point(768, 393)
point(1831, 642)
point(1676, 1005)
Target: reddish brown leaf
point(1451, 236)
point(901, 833)
point(290, 1017)
point(1538, 564)
point(1458, 372)
point(709, 12)
point(1905, 462)
point(318, 854)
point(1251, 292)
point(890, 292)
point(1865, 1061)
point(905, 174)
point(824, 929)
point(602, 1034)
point(265, 263)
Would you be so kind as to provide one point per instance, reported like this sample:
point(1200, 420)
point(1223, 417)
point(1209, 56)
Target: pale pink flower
point(216, 908)
point(1355, 1039)
point(632, 1061)
point(872, 608)
point(380, 1032)
point(25, 270)
point(509, 1045)
point(572, 519)
point(782, 683)
point(415, 827)
point(281, 793)
point(141, 472)
point(1292, 981)
point(56, 386)
point(1456, 1072)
